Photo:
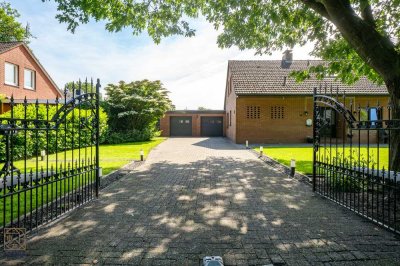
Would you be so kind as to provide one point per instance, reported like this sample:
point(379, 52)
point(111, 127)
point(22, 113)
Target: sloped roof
point(5, 46)
point(272, 77)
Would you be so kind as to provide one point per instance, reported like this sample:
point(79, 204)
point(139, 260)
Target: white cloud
point(192, 69)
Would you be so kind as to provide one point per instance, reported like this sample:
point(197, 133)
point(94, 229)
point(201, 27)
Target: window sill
point(28, 88)
point(12, 85)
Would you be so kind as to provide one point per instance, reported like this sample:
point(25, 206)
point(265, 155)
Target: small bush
point(344, 183)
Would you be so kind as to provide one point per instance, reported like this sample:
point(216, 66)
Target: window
point(29, 79)
point(230, 118)
point(11, 74)
point(253, 112)
point(374, 116)
point(227, 116)
point(277, 112)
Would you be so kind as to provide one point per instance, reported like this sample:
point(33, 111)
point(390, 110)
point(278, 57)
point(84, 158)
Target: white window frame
point(32, 78)
point(15, 74)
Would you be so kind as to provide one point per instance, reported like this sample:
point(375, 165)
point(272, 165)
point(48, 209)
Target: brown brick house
point(22, 75)
point(193, 123)
point(263, 104)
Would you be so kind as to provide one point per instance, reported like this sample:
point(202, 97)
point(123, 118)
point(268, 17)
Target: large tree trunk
point(394, 152)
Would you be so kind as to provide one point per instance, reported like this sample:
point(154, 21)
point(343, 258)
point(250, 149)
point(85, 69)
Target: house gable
point(19, 55)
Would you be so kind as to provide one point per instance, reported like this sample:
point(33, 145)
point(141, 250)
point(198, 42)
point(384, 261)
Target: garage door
point(211, 126)
point(181, 126)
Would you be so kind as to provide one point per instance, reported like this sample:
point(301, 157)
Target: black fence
point(50, 156)
point(352, 146)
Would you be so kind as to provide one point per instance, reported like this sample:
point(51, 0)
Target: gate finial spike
point(80, 86)
point(91, 85)
point(73, 89)
point(98, 86)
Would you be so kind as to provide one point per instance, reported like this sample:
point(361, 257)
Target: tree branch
point(366, 12)
point(317, 7)
point(376, 50)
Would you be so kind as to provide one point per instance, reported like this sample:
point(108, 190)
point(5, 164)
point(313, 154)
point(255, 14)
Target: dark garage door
point(211, 126)
point(181, 126)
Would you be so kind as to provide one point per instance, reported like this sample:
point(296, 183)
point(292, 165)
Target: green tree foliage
point(134, 109)
point(84, 86)
point(10, 28)
point(358, 37)
point(201, 108)
point(80, 87)
point(41, 114)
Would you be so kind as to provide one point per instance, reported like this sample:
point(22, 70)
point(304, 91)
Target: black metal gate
point(50, 156)
point(351, 166)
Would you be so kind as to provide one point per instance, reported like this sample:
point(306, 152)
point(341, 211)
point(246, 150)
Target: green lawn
point(304, 155)
point(112, 157)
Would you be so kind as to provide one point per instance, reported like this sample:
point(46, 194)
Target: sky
point(192, 69)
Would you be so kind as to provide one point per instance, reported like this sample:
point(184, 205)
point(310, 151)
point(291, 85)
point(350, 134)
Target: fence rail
point(50, 157)
point(351, 160)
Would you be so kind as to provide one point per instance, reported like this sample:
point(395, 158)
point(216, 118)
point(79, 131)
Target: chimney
point(287, 59)
point(287, 56)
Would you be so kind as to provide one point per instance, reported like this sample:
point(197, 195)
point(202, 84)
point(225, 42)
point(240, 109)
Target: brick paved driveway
point(198, 196)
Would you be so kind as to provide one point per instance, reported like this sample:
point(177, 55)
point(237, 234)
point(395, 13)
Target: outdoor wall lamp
point(261, 151)
point(309, 122)
point(305, 112)
point(247, 144)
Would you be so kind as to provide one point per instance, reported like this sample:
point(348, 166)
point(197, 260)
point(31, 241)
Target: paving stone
point(197, 196)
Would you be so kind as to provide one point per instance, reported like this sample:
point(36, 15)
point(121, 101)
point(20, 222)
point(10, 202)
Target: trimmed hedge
point(36, 140)
point(131, 136)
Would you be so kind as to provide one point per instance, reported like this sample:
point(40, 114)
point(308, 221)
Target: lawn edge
point(281, 167)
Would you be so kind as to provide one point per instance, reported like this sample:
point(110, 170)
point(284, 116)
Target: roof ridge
point(6, 46)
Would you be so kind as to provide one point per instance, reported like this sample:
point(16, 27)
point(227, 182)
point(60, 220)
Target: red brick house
point(263, 104)
point(22, 75)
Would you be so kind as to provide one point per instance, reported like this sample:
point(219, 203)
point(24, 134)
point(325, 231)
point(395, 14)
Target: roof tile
point(5, 46)
point(272, 77)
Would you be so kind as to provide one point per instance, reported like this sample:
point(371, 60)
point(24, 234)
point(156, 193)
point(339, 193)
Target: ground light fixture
point(292, 167)
point(42, 154)
point(141, 154)
point(247, 144)
point(261, 151)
